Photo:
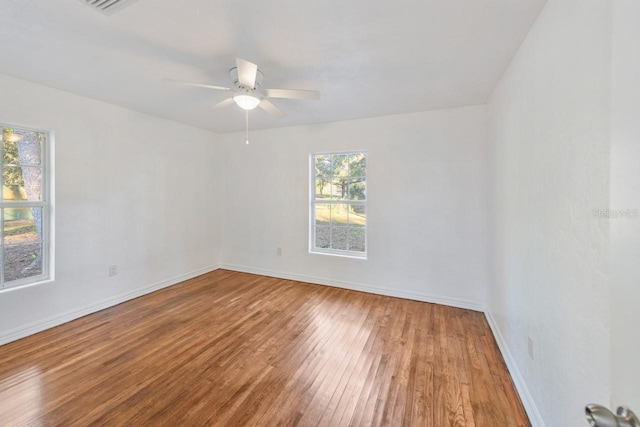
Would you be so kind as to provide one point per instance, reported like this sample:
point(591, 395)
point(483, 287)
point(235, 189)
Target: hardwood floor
point(230, 348)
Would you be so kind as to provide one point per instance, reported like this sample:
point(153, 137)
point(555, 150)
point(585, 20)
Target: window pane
point(339, 215)
point(357, 164)
point(339, 238)
point(22, 261)
point(341, 186)
point(338, 190)
point(323, 165)
point(22, 225)
point(21, 147)
point(322, 176)
point(322, 237)
point(322, 214)
point(22, 183)
point(357, 216)
point(13, 184)
point(357, 239)
point(323, 188)
point(340, 164)
point(357, 189)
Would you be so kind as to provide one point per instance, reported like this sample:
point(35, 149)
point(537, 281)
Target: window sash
point(44, 242)
point(315, 201)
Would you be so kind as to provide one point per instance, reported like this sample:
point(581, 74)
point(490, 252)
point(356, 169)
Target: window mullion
point(348, 226)
point(331, 209)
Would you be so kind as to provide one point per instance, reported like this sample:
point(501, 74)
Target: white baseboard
point(59, 319)
point(521, 386)
point(436, 299)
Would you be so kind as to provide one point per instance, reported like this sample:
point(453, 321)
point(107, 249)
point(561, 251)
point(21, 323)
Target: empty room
point(335, 213)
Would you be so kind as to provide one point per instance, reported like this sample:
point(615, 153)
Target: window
point(339, 204)
point(24, 208)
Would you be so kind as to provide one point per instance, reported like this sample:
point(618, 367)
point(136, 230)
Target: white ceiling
point(367, 57)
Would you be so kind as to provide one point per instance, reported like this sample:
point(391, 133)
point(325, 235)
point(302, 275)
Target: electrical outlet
point(279, 251)
point(530, 345)
point(113, 270)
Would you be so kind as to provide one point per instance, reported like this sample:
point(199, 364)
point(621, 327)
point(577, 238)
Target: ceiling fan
point(248, 94)
point(247, 91)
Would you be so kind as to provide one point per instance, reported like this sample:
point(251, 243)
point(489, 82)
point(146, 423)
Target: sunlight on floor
point(21, 396)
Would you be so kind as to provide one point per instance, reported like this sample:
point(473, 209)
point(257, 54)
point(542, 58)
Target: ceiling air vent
point(108, 7)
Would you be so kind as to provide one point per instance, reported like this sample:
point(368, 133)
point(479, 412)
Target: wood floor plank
point(229, 348)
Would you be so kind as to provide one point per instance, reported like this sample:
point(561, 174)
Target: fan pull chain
point(246, 135)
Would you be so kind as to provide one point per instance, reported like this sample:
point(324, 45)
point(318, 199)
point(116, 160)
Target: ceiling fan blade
point(247, 72)
point(197, 84)
point(292, 93)
point(271, 109)
point(223, 103)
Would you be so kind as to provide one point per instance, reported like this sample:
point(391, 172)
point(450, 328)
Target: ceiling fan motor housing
point(234, 78)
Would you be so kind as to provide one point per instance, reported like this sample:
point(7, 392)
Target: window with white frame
point(339, 203)
point(24, 208)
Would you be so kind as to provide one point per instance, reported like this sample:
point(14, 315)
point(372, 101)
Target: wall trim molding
point(521, 386)
point(59, 319)
point(416, 296)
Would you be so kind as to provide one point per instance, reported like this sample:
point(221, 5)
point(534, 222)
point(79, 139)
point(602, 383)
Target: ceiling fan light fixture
point(246, 102)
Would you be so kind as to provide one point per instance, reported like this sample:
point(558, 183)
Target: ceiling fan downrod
point(246, 134)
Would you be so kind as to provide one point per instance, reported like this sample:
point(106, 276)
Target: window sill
point(341, 254)
point(41, 281)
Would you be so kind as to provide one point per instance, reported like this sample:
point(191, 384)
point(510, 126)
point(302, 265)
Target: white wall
point(625, 196)
point(426, 207)
point(130, 190)
point(549, 163)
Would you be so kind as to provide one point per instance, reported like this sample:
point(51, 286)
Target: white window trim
point(312, 202)
point(45, 203)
